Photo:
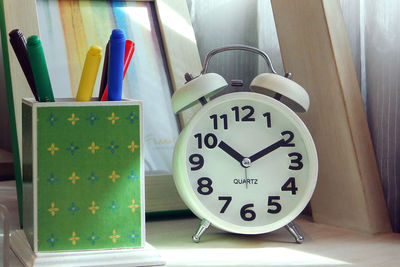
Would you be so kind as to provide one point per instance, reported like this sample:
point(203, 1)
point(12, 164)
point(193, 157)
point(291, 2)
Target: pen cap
point(95, 50)
point(18, 42)
point(129, 44)
point(39, 69)
point(34, 42)
point(117, 35)
point(89, 74)
point(129, 49)
point(116, 65)
point(17, 34)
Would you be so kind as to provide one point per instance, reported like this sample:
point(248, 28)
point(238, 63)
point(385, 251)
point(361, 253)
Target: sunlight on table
point(240, 257)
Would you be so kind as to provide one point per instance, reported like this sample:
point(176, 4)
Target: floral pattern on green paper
point(92, 118)
point(89, 159)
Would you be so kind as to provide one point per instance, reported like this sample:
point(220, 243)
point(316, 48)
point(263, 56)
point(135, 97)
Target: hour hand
point(267, 150)
point(230, 151)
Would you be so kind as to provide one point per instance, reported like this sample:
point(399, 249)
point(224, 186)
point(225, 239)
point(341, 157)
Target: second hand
point(245, 174)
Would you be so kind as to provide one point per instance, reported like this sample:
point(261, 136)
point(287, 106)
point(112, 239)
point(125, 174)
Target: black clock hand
point(245, 176)
point(230, 151)
point(267, 150)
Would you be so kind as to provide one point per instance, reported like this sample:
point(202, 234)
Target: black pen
point(18, 43)
point(104, 74)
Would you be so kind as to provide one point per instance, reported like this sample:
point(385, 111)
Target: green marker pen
point(39, 69)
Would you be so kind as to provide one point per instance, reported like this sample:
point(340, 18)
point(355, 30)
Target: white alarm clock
point(245, 162)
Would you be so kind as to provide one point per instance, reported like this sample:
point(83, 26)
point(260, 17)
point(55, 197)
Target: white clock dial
point(246, 163)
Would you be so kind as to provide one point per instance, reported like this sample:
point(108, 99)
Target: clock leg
point(202, 228)
point(291, 227)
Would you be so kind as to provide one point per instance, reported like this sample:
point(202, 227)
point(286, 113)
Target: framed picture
point(165, 48)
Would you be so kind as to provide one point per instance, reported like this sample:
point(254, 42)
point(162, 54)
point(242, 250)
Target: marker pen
point(18, 43)
point(104, 74)
point(129, 49)
point(39, 69)
point(116, 65)
point(89, 74)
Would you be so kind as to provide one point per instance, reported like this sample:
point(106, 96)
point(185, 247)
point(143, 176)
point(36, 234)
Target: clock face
point(246, 163)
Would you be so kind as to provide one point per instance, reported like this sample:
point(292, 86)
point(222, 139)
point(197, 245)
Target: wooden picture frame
point(181, 55)
point(315, 48)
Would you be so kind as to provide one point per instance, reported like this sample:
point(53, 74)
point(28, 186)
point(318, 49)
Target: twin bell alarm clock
point(245, 162)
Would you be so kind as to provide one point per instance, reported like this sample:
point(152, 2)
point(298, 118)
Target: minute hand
point(267, 150)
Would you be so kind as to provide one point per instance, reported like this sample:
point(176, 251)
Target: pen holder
point(83, 175)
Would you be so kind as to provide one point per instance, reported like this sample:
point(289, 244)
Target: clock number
point(246, 213)
point(210, 140)
point(210, 144)
point(224, 117)
point(272, 202)
point(297, 161)
point(215, 118)
point(236, 110)
point(288, 140)
point(197, 160)
point(204, 186)
point(267, 115)
point(228, 201)
point(199, 141)
point(247, 117)
point(290, 185)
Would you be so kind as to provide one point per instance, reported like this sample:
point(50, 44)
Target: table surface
point(323, 246)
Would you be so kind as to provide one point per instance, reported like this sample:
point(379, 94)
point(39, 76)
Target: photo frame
point(181, 56)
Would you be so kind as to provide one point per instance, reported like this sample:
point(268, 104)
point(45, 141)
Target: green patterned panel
point(88, 177)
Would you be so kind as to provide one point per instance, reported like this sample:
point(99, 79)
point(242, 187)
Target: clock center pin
point(246, 162)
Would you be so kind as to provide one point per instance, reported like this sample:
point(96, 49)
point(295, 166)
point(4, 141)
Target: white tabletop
point(323, 245)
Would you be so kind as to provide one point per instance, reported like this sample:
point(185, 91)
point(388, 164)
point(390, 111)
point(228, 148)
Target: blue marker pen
point(116, 65)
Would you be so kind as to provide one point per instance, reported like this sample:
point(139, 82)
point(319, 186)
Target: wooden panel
point(315, 49)
point(182, 56)
point(180, 45)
